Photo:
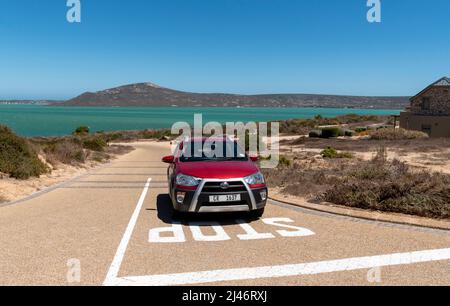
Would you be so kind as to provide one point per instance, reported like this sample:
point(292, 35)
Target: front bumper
point(198, 201)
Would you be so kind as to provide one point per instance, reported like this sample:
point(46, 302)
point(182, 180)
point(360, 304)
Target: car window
point(212, 151)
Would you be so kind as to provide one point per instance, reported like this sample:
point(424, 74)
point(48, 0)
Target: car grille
point(214, 187)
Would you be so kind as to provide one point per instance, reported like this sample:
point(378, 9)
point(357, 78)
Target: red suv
point(215, 175)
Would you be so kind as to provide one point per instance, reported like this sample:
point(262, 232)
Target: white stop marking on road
point(176, 234)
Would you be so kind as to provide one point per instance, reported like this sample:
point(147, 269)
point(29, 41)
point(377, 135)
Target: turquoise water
point(35, 120)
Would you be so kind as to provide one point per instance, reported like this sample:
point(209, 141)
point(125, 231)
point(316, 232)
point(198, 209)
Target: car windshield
point(212, 151)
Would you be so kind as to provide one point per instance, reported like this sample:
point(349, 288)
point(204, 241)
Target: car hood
point(218, 170)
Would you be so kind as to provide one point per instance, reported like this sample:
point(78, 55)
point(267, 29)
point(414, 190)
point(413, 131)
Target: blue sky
point(239, 46)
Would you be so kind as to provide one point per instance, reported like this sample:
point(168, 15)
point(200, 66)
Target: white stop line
point(311, 268)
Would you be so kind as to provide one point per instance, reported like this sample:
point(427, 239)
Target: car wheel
point(258, 213)
point(177, 215)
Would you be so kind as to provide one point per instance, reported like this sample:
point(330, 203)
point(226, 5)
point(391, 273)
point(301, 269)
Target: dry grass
point(298, 181)
point(67, 151)
point(427, 145)
point(396, 134)
point(392, 187)
point(377, 184)
point(304, 126)
point(75, 150)
point(129, 136)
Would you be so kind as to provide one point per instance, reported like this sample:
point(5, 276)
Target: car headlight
point(186, 180)
point(255, 179)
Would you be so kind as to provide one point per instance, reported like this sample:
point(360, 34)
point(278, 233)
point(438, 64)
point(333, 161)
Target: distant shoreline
point(203, 107)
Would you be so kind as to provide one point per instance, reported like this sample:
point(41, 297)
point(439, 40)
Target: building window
point(426, 128)
point(426, 104)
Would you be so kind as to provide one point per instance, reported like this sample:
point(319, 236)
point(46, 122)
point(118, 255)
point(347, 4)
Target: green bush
point(329, 153)
point(315, 134)
point(360, 129)
point(333, 153)
point(95, 144)
point(284, 161)
point(17, 156)
point(81, 131)
point(331, 132)
point(155, 134)
point(349, 133)
point(109, 137)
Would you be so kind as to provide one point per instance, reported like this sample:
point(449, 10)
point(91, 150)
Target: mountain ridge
point(153, 95)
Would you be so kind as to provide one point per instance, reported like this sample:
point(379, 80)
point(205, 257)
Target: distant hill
point(151, 95)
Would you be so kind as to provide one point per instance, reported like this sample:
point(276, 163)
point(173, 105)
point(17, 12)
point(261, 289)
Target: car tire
point(258, 213)
point(177, 215)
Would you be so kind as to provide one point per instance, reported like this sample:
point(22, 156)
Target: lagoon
point(38, 120)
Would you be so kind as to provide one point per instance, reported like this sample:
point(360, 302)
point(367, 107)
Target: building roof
point(445, 81)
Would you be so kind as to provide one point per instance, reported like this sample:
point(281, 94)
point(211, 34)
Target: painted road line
point(313, 268)
point(114, 269)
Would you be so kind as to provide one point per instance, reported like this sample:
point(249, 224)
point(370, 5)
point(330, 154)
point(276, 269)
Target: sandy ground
point(417, 160)
point(12, 189)
point(434, 161)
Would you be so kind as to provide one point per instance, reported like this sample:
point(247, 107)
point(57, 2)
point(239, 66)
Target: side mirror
point(254, 158)
point(168, 159)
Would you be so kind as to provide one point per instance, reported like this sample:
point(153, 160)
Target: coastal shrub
point(112, 136)
point(396, 134)
point(349, 133)
point(392, 187)
point(284, 161)
point(329, 153)
point(333, 153)
point(354, 118)
point(127, 136)
point(304, 126)
point(331, 132)
point(17, 156)
point(100, 157)
point(360, 129)
point(81, 131)
point(155, 134)
point(66, 151)
point(297, 180)
point(315, 134)
point(381, 155)
point(97, 143)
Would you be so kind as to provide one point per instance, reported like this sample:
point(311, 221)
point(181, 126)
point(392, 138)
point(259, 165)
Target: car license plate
point(225, 198)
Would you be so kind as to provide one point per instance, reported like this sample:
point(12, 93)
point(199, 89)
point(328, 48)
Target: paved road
point(114, 224)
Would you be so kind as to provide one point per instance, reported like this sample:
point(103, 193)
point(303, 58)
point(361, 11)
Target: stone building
point(430, 110)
